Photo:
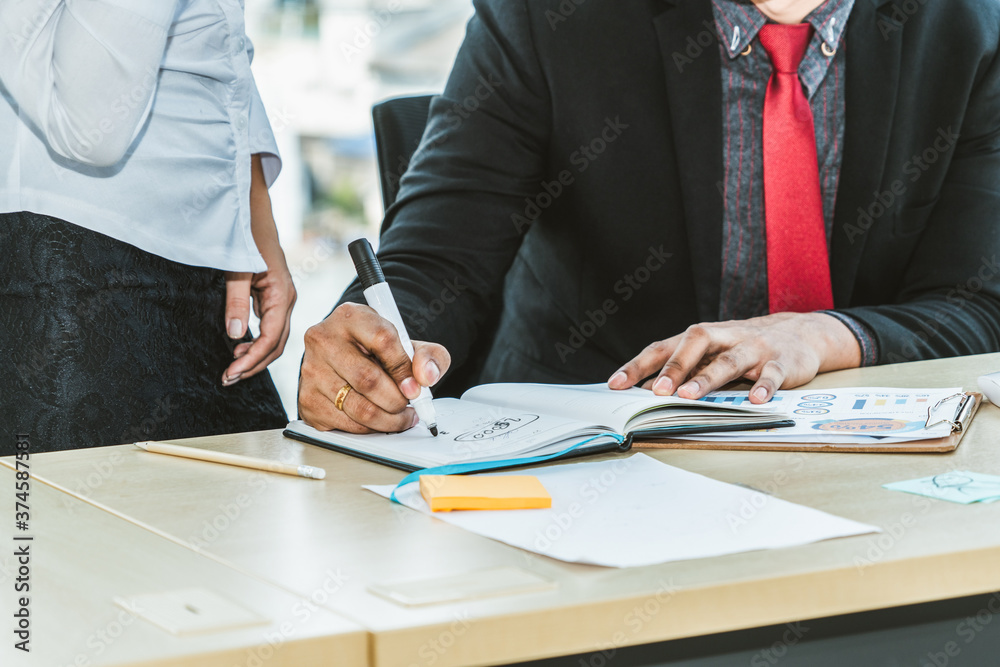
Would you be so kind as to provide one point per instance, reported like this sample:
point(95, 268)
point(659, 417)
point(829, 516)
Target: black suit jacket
point(603, 119)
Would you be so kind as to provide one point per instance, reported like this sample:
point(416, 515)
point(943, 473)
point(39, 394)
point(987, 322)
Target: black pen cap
point(365, 262)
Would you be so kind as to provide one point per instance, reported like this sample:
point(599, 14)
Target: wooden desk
point(81, 558)
point(293, 531)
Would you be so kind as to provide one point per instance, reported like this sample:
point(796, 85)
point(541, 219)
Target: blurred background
point(320, 65)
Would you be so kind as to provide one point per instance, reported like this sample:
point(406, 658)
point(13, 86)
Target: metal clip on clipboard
point(964, 404)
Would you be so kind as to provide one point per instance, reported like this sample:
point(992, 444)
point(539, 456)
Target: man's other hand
point(777, 351)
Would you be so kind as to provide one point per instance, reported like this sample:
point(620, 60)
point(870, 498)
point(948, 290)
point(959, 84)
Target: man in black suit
point(611, 188)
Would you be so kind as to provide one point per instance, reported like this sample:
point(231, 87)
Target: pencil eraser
point(470, 492)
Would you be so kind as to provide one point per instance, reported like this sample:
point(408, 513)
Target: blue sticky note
point(957, 486)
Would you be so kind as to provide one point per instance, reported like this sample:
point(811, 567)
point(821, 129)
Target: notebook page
point(591, 403)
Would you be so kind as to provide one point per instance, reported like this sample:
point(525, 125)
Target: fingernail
point(410, 388)
point(691, 388)
point(231, 379)
point(416, 420)
point(618, 380)
point(663, 385)
point(433, 371)
point(235, 328)
point(760, 393)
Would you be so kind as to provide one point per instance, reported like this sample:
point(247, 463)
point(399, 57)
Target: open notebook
point(495, 422)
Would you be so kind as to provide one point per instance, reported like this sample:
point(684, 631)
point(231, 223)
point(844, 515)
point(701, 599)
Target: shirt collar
point(830, 20)
point(739, 22)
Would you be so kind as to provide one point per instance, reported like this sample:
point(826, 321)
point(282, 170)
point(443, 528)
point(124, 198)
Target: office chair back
point(399, 125)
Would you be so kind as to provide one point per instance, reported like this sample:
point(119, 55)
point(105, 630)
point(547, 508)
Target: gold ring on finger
point(341, 395)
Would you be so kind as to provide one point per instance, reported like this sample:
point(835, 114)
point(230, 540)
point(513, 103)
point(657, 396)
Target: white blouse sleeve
point(83, 72)
point(261, 134)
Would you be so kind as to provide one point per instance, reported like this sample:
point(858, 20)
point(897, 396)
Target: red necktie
point(798, 264)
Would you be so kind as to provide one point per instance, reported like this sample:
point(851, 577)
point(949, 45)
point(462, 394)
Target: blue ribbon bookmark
point(464, 468)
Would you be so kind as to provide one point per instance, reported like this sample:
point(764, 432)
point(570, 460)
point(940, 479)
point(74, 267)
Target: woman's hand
point(774, 351)
point(273, 292)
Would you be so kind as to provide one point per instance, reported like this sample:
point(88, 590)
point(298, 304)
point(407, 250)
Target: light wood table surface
point(295, 531)
point(82, 558)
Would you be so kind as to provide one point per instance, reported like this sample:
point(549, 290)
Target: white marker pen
point(379, 297)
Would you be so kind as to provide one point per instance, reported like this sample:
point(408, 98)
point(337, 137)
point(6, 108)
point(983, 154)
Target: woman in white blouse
point(135, 225)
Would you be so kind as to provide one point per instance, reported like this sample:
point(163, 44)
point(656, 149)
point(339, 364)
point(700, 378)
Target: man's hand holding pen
point(355, 347)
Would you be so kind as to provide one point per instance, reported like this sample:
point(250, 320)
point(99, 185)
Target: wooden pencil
point(309, 472)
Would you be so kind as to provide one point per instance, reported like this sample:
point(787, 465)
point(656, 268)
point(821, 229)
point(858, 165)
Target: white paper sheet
point(637, 511)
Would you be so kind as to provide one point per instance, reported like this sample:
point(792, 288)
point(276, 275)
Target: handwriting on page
point(500, 427)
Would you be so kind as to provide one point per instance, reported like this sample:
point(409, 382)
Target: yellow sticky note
point(463, 492)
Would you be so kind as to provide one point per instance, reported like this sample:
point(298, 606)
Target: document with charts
point(849, 415)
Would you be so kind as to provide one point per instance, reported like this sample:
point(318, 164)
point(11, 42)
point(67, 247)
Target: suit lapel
point(873, 43)
point(694, 92)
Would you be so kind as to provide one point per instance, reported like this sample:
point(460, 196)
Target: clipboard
point(957, 410)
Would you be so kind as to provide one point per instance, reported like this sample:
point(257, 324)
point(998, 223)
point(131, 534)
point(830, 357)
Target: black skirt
point(102, 344)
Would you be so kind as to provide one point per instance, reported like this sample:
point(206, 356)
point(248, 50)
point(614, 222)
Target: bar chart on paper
point(729, 398)
point(884, 402)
